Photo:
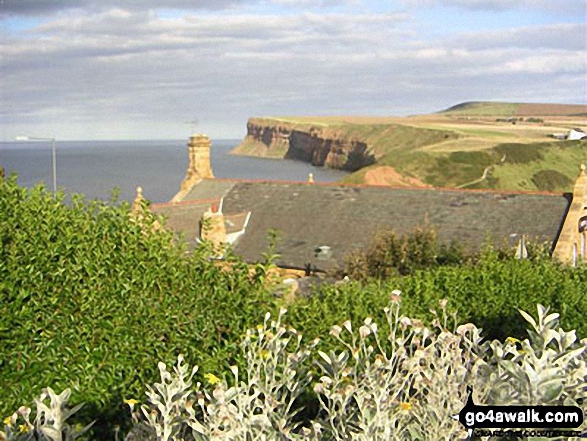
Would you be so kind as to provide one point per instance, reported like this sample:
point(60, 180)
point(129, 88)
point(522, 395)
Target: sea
point(95, 168)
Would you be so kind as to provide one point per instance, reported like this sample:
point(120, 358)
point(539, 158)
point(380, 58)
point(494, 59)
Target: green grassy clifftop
point(506, 146)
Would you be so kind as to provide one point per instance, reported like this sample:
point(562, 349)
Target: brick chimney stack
point(212, 227)
point(199, 166)
point(199, 157)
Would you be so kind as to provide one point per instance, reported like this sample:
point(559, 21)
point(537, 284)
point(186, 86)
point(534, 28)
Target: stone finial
point(310, 178)
point(138, 203)
point(580, 189)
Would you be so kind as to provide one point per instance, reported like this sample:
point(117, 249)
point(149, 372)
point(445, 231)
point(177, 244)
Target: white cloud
point(556, 36)
point(42, 7)
point(314, 3)
point(563, 7)
point(132, 72)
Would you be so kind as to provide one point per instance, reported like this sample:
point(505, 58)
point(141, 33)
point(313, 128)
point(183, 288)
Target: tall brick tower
point(199, 166)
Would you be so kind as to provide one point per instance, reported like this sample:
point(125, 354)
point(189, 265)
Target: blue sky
point(114, 69)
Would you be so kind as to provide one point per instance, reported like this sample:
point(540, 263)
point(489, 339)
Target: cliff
point(447, 149)
point(321, 146)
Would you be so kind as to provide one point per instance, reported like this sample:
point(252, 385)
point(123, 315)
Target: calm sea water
point(94, 168)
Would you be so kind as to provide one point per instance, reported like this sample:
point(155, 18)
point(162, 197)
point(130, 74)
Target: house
point(319, 223)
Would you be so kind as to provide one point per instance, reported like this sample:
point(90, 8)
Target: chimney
point(199, 166)
point(212, 227)
point(199, 151)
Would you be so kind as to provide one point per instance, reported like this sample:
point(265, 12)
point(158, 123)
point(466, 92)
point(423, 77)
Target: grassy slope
point(495, 108)
point(562, 157)
point(483, 109)
point(454, 147)
point(253, 148)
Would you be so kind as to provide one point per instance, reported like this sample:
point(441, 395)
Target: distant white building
point(576, 134)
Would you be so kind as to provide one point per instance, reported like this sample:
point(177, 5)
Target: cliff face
point(317, 146)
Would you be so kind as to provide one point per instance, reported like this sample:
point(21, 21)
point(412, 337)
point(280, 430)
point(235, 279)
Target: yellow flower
point(8, 421)
point(212, 379)
point(131, 402)
point(405, 406)
point(512, 340)
point(24, 428)
point(264, 354)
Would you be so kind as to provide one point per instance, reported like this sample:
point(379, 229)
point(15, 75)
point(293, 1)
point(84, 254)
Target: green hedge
point(93, 301)
point(487, 293)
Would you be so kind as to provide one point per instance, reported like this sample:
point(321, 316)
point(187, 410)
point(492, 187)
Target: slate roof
point(184, 217)
point(209, 189)
point(345, 217)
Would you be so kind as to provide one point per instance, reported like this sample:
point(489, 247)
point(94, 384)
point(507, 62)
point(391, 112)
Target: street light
point(54, 160)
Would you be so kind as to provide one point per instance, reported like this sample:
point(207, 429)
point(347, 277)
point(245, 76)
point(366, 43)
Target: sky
point(142, 69)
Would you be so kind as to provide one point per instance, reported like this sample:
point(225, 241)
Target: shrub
point(261, 407)
point(486, 291)
point(50, 422)
point(405, 390)
point(91, 300)
point(391, 254)
point(551, 180)
point(520, 153)
point(409, 389)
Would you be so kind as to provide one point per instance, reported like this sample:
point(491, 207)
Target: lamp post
point(53, 155)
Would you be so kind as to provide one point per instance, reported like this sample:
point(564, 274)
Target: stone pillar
point(566, 247)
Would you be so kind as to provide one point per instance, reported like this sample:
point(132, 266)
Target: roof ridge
point(189, 202)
